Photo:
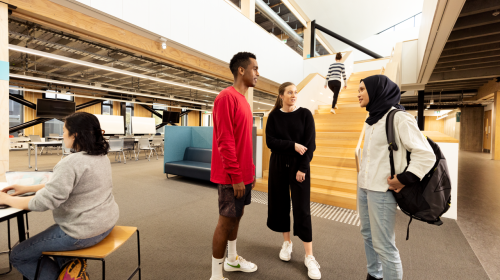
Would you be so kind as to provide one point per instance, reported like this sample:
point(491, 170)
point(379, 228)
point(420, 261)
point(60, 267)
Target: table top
point(9, 213)
point(20, 139)
point(55, 137)
point(51, 143)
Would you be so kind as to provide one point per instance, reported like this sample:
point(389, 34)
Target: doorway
point(487, 132)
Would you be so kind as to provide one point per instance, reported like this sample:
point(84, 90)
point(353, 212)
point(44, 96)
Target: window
point(158, 120)
point(16, 112)
point(54, 126)
point(129, 113)
point(107, 108)
point(207, 119)
point(52, 94)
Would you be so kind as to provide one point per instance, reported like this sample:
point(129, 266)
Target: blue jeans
point(377, 214)
point(24, 257)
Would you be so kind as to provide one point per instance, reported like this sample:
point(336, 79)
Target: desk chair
point(129, 145)
point(35, 138)
point(116, 238)
point(157, 143)
point(116, 146)
point(144, 145)
point(9, 245)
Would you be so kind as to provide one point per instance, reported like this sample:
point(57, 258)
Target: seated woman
point(79, 195)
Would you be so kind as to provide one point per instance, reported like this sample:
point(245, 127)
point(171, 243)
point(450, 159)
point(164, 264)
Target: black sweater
point(283, 130)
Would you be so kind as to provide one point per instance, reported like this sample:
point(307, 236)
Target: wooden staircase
point(333, 168)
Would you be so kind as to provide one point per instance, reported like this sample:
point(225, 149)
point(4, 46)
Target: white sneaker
point(218, 278)
point(332, 111)
point(286, 251)
point(336, 106)
point(312, 267)
point(240, 265)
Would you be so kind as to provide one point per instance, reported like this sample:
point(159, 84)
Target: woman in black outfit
point(291, 134)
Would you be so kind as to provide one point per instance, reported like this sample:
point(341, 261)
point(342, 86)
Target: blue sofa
point(188, 151)
point(196, 164)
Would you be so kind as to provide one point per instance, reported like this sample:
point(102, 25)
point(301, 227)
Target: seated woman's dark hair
point(88, 134)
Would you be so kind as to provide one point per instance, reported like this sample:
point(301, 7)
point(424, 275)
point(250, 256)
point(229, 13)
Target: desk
point(10, 213)
point(42, 144)
point(55, 137)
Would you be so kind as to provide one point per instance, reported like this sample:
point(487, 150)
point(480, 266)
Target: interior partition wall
point(16, 112)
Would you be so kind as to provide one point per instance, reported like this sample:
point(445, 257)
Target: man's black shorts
point(229, 206)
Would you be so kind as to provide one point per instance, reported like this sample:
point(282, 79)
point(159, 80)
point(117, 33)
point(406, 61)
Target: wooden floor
point(333, 168)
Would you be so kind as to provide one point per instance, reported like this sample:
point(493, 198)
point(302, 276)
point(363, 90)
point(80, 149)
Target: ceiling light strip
point(107, 99)
point(102, 67)
point(102, 89)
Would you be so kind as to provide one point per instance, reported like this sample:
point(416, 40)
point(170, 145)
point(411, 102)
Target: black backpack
point(428, 199)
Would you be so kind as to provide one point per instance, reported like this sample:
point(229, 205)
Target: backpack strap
point(408, 228)
point(391, 138)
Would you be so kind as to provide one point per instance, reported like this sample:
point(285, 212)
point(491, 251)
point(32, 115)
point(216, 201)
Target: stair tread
point(332, 192)
point(333, 157)
point(334, 167)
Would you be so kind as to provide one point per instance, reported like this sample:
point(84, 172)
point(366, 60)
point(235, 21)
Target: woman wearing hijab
point(291, 134)
point(377, 205)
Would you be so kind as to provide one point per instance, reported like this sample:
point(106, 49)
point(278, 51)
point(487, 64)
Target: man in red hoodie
point(232, 163)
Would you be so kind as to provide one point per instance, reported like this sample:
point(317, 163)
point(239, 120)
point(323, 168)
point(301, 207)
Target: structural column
point(307, 41)
point(420, 116)
point(495, 148)
point(4, 90)
point(248, 10)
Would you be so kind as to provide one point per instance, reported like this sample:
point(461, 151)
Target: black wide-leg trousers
point(282, 182)
point(335, 86)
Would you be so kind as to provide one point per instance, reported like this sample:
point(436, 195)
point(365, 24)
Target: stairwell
point(333, 168)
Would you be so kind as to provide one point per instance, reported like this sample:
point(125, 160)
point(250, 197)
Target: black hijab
point(384, 94)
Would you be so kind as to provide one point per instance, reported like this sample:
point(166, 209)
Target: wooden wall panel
point(94, 109)
point(495, 149)
point(471, 129)
point(30, 114)
point(116, 108)
point(140, 111)
point(194, 118)
point(431, 124)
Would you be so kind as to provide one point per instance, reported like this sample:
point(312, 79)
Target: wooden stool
point(116, 238)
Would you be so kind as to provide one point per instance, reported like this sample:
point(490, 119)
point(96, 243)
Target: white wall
point(382, 44)
point(428, 11)
point(212, 27)
point(314, 94)
point(450, 151)
point(409, 67)
point(370, 65)
point(321, 65)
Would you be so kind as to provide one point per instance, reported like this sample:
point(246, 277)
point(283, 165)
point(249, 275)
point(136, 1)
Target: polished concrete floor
point(479, 207)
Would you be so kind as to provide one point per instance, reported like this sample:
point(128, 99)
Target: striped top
point(334, 72)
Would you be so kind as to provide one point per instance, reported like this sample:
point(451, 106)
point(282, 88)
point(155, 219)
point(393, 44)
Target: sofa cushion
point(193, 169)
point(198, 154)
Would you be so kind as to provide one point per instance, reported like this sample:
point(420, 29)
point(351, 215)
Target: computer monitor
point(58, 109)
point(170, 117)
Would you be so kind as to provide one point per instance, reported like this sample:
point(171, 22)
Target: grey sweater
point(80, 195)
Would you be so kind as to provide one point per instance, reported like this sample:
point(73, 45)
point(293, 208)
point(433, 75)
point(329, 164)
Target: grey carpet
point(177, 217)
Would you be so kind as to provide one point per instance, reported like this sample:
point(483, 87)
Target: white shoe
point(332, 111)
point(336, 106)
point(286, 251)
point(239, 265)
point(218, 278)
point(312, 267)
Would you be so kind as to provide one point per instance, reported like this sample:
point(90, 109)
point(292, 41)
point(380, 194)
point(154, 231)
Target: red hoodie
point(232, 146)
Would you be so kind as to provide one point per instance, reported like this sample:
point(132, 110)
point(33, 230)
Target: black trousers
point(335, 87)
point(282, 182)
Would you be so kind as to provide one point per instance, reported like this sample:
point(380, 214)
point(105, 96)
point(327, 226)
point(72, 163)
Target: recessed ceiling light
point(496, 13)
